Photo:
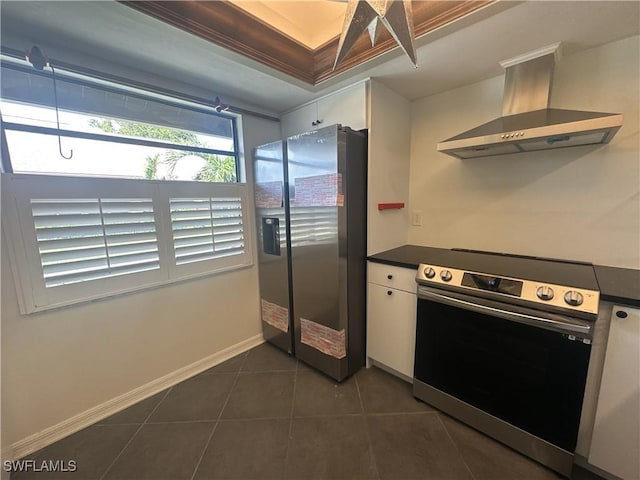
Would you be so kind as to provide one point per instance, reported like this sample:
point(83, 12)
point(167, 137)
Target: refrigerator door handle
point(271, 235)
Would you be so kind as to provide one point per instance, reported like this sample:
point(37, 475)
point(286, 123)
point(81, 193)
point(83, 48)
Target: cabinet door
point(616, 432)
point(347, 107)
point(391, 327)
point(299, 120)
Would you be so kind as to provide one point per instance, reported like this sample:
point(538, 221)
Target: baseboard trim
point(375, 363)
point(584, 463)
point(76, 423)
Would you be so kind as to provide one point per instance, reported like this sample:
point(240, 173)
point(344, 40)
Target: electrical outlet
point(416, 218)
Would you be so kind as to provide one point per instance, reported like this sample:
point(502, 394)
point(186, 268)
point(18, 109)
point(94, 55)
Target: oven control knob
point(573, 298)
point(544, 293)
point(429, 272)
point(445, 275)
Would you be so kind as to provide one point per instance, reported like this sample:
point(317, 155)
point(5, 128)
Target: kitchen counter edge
point(617, 285)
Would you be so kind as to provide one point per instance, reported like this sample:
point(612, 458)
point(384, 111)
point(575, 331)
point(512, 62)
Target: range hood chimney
point(527, 123)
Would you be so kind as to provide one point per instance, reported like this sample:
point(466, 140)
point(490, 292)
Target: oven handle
point(558, 324)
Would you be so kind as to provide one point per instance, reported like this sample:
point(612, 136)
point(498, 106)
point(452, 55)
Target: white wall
point(388, 182)
point(579, 203)
point(60, 363)
point(4, 450)
point(116, 65)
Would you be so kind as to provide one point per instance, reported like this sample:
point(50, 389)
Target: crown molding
point(230, 27)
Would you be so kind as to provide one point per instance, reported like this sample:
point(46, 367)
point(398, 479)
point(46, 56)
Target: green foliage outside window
point(217, 168)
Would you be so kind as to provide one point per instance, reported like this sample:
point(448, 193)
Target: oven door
point(525, 367)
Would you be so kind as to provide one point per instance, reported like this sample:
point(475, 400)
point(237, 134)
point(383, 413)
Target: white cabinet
point(391, 317)
point(347, 107)
point(300, 120)
point(616, 433)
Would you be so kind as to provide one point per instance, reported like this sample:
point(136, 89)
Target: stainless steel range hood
point(527, 123)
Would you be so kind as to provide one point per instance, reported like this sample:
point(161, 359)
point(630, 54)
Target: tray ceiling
point(110, 37)
point(311, 22)
point(232, 27)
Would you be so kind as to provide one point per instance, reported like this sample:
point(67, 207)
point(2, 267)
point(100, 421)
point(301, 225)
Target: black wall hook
point(219, 106)
point(36, 58)
point(39, 61)
point(55, 95)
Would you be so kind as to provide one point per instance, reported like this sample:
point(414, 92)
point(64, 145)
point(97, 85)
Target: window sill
point(129, 291)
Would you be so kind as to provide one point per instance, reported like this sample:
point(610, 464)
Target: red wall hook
point(390, 206)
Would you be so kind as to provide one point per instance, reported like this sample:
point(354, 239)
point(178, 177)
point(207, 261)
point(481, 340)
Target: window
point(111, 131)
point(79, 239)
point(112, 218)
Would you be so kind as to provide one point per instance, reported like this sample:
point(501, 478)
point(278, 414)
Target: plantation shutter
point(81, 239)
point(206, 228)
point(87, 239)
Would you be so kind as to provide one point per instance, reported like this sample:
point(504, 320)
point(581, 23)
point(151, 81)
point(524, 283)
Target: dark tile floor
point(264, 415)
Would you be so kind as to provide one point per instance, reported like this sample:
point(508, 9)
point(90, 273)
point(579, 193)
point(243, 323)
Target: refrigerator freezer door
point(328, 246)
point(273, 261)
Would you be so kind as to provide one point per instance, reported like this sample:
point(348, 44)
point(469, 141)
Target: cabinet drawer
point(393, 277)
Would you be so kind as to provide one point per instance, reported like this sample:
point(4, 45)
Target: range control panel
point(558, 296)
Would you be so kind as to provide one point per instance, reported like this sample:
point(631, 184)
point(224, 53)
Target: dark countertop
point(620, 285)
point(410, 256)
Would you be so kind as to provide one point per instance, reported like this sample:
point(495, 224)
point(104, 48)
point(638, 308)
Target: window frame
point(20, 234)
point(138, 93)
point(19, 188)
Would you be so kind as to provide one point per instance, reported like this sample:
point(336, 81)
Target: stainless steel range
point(503, 344)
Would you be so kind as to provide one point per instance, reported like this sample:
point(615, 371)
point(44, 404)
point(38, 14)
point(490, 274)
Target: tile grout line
point(252, 372)
point(215, 427)
point(456, 447)
point(391, 414)
point(157, 405)
point(320, 415)
point(135, 434)
point(293, 402)
point(366, 428)
point(221, 420)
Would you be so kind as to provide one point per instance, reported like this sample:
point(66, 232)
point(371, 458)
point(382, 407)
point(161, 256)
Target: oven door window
point(529, 377)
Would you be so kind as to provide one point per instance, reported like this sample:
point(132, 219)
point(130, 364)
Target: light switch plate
point(416, 218)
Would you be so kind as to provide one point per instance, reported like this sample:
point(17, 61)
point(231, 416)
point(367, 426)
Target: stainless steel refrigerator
point(310, 195)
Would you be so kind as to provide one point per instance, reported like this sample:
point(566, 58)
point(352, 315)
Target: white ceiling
point(464, 52)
